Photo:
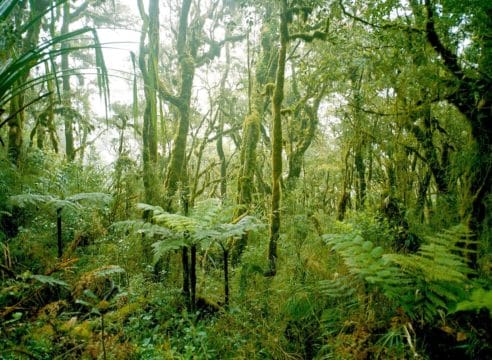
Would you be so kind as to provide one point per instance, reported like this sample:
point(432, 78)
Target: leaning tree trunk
point(473, 98)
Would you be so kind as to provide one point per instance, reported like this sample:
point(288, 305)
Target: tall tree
point(148, 63)
point(277, 98)
point(17, 103)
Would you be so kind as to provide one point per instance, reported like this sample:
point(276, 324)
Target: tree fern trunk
point(186, 277)
point(59, 232)
point(193, 278)
point(226, 276)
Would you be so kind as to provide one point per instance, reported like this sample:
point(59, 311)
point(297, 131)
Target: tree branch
point(309, 37)
point(79, 12)
point(377, 26)
point(167, 96)
point(215, 47)
point(450, 59)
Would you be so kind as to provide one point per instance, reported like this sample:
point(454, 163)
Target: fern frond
point(423, 283)
point(151, 208)
point(163, 247)
point(337, 288)
point(207, 211)
point(62, 204)
point(479, 299)
point(93, 197)
point(23, 200)
point(151, 230)
point(177, 222)
point(127, 225)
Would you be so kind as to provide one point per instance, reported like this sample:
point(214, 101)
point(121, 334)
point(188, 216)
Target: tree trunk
point(278, 96)
point(67, 103)
point(302, 127)
point(148, 67)
point(361, 179)
point(186, 277)
point(183, 102)
point(193, 277)
point(59, 232)
point(220, 129)
point(421, 196)
point(345, 197)
point(473, 98)
point(252, 126)
point(226, 276)
point(16, 126)
point(16, 123)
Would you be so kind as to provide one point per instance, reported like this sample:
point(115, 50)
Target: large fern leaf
point(422, 284)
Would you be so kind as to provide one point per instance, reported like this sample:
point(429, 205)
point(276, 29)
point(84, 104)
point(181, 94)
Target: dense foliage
point(282, 180)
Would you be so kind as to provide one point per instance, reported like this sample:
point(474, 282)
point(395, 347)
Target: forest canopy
point(219, 179)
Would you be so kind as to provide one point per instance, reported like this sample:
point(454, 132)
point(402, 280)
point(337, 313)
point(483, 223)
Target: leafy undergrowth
point(345, 294)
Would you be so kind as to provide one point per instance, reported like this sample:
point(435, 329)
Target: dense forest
point(243, 179)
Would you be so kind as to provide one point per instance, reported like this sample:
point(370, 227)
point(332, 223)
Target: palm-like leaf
point(15, 71)
point(6, 8)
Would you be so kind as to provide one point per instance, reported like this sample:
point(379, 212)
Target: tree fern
point(43, 201)
point(208, 222)
point(53, 202)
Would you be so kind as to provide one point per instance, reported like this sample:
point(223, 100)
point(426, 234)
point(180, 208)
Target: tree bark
point(186, 55)
point(225, 256)
point(186, 277)
point(278, 96)
point(473, 98)
point(148, 67)
point(65, 68)
point(16, 123)
point(59, 240)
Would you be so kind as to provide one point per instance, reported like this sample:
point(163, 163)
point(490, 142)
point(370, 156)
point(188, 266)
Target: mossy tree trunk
point(59, 239)
point(277, 98)
point(220, 127)
point(17, 103)
point(65, 68)
point(149, 68)
point(185, 52)
point(472, 96)
point(344, 201)
point(265, 73)
point(306, 132)
point(68, 18)
point(187, 45)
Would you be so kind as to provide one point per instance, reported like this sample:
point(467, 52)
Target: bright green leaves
point(363, 259)
point(52, 203)
point(207, 223)
point(479, 298)
point(377, 252)
point(422, 283)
